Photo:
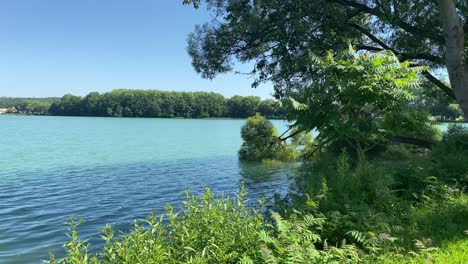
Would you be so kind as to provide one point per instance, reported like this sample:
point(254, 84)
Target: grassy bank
point(385, 227)
point(403, 205)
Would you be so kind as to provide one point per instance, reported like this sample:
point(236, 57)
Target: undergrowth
point(387, 210)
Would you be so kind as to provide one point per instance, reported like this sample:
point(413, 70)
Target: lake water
point(111, 170)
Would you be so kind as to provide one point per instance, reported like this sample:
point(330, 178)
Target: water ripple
point(98, 169)
point(33, 210)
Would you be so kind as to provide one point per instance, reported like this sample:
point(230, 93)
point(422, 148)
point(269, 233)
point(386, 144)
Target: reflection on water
point(267, 180)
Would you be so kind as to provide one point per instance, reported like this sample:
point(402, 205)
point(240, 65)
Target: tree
point(271, 109)
point(243, 107)
point(69, 105)
point(260, 142)
point(277, 35)
point(90, 104)
point(435, 102)
point(35, 107)
point(347, 94)
point(151, 103)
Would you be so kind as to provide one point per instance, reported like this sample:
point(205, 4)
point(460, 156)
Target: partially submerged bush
point(261, 142)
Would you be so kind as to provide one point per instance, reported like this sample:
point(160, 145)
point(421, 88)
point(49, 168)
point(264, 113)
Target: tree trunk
point(456, 62)
point(360, 153)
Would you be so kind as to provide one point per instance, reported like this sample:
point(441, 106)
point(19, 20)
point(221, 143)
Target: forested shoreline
point(148, 103)
point(170, 104)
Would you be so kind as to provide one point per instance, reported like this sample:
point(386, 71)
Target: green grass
point(455, 252)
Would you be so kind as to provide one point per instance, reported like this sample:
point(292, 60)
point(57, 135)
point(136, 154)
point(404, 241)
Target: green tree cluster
point(260, 142)
point(433, 101)
point(152, 103)
point(346, 95)
point(278, 36)
point(6, 102)
point(36, 106)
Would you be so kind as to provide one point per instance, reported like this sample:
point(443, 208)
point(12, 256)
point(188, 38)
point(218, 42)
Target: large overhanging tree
point(278, 35)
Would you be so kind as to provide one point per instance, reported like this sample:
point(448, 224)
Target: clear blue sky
point(54, 47)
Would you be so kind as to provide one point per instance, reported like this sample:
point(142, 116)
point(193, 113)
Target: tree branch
point(413, 141)
point(405, 56)
point(372, 37)
point(439, 84)
point(394, 21)
point(290, 135)
point(401, 55)
point(287, 130)
point(367, 47)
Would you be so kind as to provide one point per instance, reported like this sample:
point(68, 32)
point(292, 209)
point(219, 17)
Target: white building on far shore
point(3, 110)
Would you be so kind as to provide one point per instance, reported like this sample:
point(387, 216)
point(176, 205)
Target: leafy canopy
point(344, 95)
point(278, 35)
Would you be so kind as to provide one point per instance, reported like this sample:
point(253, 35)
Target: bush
point(451, 155)
point(213, 230)
point(261, 142)
point(208, 230)
point(351, 216)
point(411, 124)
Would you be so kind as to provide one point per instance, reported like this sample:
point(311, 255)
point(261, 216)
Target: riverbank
point(401, 205)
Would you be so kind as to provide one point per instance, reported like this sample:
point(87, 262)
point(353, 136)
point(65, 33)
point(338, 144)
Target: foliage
point(383, 206)
point(295, 240)
point(346, 94)
point(261, 142)
point(304, 142)
point(212, 230)
point(6, 102)
point(451, 155)
point(435, 102)
point(271, 109)
point(411, 124)
point(36, 106)
point(151, 103)
point(278, 35)
point(33, 107)
point(243, 106)
point(341, 214)
point(208, 230)
point(454, 252)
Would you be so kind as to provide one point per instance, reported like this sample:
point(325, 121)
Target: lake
point(111, 170)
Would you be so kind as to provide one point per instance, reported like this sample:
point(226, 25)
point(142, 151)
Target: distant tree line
point(152, 103)
point(35, 106)
point(433, 101)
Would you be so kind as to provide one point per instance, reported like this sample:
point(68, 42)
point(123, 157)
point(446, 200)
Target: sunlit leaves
point(345, 94)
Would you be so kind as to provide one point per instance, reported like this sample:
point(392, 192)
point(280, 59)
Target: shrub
point(411, 124)
point(261, 142)
point(214, 230)
point(451, 155)
point(208, 230)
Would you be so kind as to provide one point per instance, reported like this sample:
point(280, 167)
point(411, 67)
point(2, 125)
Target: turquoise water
point(111, 170)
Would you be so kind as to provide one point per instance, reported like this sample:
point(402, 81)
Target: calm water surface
point(111, 170)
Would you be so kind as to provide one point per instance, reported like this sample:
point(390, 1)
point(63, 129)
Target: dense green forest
point(151, 103)
point(148, 103)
